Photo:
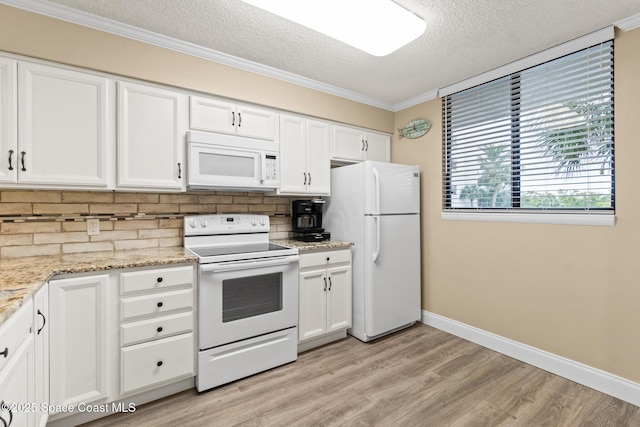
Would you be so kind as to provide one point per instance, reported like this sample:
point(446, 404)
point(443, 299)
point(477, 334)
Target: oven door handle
point(241, 265)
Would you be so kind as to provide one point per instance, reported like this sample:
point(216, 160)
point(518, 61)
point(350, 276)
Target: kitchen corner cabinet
point(151, 138)
point(80, 327)
point(352, 145)
point(65, 129)
point(40, 328)
point(324, 297)
point(217, 115)
point(17, 367)
point(305, 157)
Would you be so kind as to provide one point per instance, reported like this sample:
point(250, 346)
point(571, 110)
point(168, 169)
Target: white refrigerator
point(376, 206)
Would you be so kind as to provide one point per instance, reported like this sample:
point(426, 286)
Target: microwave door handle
point(263, 167)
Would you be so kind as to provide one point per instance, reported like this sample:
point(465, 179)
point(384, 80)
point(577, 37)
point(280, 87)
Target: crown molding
point(629, 23)
point(85, 19)
point(428, 96)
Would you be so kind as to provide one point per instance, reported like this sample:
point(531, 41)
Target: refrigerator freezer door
point(392, 281)
point(391, 188)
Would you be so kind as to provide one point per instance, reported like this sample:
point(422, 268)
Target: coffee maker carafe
point(306, 220)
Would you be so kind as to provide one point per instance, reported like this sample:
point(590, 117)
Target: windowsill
point(606, 220)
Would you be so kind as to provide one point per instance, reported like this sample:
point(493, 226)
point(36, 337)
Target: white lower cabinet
point(324, 297)
point(81, 322)
point(17, 369)
point(120, 336)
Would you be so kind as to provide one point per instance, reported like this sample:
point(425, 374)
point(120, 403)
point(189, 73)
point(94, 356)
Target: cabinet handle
point(330, 284)
point(5, 352)
point(160, 304)
point(362, 145)
point(44, 321)
point(22, 154)
point(159, 363)
point(309, 178)
point(179, 171)
point(159, 280)
point(4, 423)
point(366, 145)
point(239, 119)
point(305, 177)
point(325, 284)
point(5, 406)
point(10, 159)
point(233, 118)
point(159, 329)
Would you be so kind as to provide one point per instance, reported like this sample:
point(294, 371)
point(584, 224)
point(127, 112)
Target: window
point(538, 140)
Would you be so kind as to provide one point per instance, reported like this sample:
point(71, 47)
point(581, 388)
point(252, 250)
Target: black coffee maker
point(306, 220)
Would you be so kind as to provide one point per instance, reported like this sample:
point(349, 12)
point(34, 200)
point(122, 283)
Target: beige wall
point(41, 37)
point(571, 290)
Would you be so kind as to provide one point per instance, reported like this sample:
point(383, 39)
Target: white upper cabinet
point(151, 138)
point(8, 120)
point(216, 115)
point(351, 145)
point(305, 163)
point(65, 135)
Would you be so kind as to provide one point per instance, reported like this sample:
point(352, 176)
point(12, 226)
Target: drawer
point(156, 304)
point(14, 330)
point(157, 278)
point(160, 327)
point(152, 363)
point(319, 259)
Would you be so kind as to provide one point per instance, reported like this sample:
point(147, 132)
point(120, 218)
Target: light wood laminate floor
point(417, 377)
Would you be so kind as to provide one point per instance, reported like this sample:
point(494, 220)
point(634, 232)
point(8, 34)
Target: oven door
point(244, 299)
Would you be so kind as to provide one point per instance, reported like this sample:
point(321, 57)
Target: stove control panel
point(225, 224)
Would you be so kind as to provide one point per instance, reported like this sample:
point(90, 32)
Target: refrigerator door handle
point(376, 181)
point(376, 254)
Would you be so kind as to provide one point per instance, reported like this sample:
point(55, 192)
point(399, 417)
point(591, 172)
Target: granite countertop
point(21, 278)
point(314, 246)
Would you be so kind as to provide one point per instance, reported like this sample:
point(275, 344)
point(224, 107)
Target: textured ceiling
point(463, 38)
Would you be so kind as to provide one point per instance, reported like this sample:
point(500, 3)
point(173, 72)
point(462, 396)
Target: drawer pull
point(160, 304)
point(5, 353)
point(159, 279)
point(159, 363)
point(159, 329)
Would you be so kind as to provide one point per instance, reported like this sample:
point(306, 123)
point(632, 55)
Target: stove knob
point(254, 222)
point(263, 222)
point(192, 223)
point(204, 223)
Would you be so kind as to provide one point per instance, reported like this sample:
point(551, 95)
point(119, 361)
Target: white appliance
point(377, 206)
point(228, 162)
point(247, 297)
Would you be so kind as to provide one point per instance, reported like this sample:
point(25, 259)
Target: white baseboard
point(582, 374)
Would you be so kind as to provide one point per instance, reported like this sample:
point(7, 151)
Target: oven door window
point(251, 296)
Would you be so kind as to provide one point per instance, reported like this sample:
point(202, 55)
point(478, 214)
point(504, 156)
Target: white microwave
point(228, 162)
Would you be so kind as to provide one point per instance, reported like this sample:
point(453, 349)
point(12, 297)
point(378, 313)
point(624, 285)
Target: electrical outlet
point(93, 227)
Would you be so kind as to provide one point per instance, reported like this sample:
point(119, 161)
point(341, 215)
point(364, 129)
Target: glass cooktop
point(212, 251)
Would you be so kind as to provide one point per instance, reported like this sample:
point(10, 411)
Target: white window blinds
point(539, 139)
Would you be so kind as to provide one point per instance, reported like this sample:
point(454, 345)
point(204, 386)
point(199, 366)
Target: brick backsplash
point(44, 222)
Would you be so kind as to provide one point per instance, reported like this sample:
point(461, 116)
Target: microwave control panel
point(271, 167)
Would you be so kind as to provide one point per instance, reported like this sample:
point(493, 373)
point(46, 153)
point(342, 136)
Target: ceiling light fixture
point(378, 27)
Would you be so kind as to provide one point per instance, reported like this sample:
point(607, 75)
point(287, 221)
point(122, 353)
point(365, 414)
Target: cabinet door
point(318, 158)
point(312, 310)
point(41, 332)
point(65, 127)
point(378, 147)
point(213, 115)
point(79, 331)
point(347, 144)
point(8, 121)
point(255, 122)
point(151, 137)
point(293, 171)
point(17, 386)
point(339, 298)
